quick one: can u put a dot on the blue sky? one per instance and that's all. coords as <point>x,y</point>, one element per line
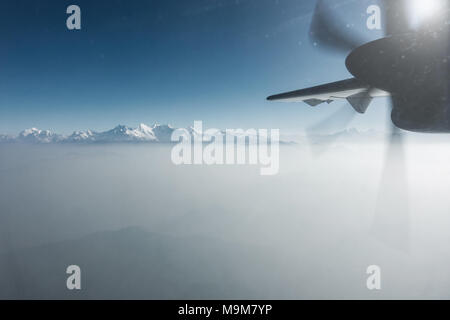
<point>166,61</point>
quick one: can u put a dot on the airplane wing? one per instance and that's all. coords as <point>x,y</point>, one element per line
<point>358,94</point>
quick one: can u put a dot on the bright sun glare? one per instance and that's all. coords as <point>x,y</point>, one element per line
<point>424,10</point>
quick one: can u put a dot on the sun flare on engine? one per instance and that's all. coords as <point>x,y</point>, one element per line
<point>422,11</point>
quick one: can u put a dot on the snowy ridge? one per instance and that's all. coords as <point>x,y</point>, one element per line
<point>121,133</point>
<point>156,133</point>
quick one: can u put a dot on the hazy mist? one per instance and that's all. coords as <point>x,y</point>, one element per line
<point>141,227</point>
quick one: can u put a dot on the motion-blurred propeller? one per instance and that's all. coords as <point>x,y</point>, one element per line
<point>326,30</point>
<point>338,120</point>
<point>395,16</point>
<point>391,221</point>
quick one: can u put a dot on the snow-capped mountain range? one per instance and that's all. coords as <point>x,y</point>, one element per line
<point>156,133</point>
<point>143,133</point>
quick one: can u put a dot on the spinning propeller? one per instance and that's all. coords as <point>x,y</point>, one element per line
<point>391,222</point>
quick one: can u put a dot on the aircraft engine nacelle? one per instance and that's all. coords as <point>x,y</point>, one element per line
<point>415,69</point>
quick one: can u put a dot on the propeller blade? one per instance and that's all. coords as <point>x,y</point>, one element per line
<point>395,16</point>
<point>326,30</point>
<point>391,223</point>
<point>340,119</point>
<point>337,121</point>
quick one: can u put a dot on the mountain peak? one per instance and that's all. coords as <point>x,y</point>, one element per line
<point>120,128</point>
<point>30,131</point>
<point>143,126</point>
<point>36,135</point>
